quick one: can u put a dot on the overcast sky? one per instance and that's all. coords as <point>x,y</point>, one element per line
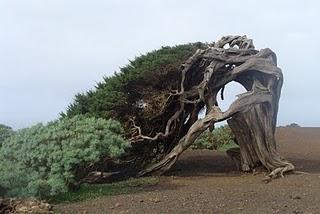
<point>52,49</point>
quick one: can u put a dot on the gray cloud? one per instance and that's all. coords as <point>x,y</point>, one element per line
<point>50,50</point>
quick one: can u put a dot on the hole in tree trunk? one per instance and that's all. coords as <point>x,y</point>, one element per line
<point>231,90</point>
<point>226,46</point>
<point>202,112</point>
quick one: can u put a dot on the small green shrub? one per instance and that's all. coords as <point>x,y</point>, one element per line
<point>219,138</point>
<point>46,160</point>
<point>204,141</point>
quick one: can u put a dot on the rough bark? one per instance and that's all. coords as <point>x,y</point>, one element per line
<point>252,117</point>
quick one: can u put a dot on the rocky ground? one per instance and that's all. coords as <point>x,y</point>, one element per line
<point>207,182</point>
<point>27,206</point>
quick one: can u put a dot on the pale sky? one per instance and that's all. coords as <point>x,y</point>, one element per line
<point>52,49</point>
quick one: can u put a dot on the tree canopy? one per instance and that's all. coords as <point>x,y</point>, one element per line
<point>120,96</point>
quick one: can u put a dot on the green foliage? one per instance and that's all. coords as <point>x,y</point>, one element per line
<point>91,191</point>
<point>5,132</point>
<point>228,146</point>
<point>116,96</point>
<point>219,139</point>
<point>45,160</point>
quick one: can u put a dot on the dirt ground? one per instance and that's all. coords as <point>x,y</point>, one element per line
<point>206,182</point>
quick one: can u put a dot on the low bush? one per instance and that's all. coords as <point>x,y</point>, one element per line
<point>45,160</point>
<point>220,137</point>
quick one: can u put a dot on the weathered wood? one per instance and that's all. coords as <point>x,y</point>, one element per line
<point>252,117</point>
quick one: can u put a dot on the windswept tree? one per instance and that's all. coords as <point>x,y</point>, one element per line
<point>158,98</point>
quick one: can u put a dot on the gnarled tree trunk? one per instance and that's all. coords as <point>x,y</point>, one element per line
<point>252,117</point>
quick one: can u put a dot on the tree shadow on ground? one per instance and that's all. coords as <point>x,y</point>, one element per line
<point>215,163</point>
<point>306,165</point>
<point>204,163</point>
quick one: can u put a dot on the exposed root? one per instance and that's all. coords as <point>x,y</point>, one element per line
<point>300,172</point>
<point>279,172</point>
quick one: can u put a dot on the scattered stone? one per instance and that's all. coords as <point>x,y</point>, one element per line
<point>295,197</point>
<point>11,205</point>
<point>155,200</point>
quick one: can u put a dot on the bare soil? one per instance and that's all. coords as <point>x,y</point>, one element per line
<point>204,181</point>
